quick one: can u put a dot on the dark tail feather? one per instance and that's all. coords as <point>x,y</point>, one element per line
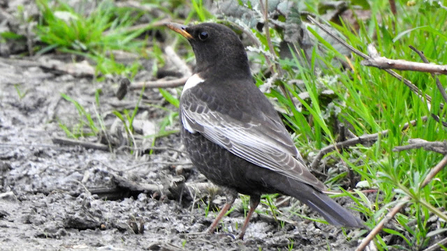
<point>328,208</point>
<point>333,212</point>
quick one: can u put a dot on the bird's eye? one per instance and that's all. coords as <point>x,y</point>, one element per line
<point>203,35</point>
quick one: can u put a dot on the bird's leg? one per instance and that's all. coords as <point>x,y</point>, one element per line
<point>231,197</point>
<point>254,202</point>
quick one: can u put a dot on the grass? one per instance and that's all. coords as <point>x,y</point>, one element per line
<point>127,121</point>
<point>168,120</point>
<point>19,92</point>
<point>370,101</point>
<point>96,34</point>
<point>365,100</point>
<point>86,121</point>
<point>93,35</point>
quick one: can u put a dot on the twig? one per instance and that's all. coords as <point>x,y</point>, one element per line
<point>372,58</point>
<point>249,34</point>
<point>438,83</point>
<point>135,186</point>
<point>7,145</point>
<point>350,142</point>
<point>379,226</point>
<point>393,7</point>
<point>435,170</point>
<point>81,69</point>
<point>439,147</point>
<point>272,65</point>
<point>177,61</point>
<point>341,41</point>
<point>437,245</point>
<point>156,163</point>
<point>73,142</point>
<point>400,205</point>
<point>403,65</point>
<point>267,32</point>
<point>179,64</point>
<point>420,53</point>
<point>177,188</point>
<point>160,84</point>
<point>358,140</point>
<point>374,53</point>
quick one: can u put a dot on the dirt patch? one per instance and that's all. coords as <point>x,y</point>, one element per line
<point>55,196</point>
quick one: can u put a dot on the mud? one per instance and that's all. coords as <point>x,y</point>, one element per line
<point>52,196</point>
<point>58,196</point>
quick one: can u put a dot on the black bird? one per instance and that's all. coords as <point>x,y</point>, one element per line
<point>233,134</point>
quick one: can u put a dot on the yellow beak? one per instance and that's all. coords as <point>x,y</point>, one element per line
<point>179,28</point>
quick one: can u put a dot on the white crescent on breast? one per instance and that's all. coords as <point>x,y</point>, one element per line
<point>192,81</point>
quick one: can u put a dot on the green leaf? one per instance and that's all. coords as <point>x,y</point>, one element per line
<point>171,99</point>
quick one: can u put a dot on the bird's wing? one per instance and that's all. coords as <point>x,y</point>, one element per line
<point>262,141</point>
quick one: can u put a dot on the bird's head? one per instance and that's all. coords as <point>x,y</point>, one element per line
<point>215,46</point>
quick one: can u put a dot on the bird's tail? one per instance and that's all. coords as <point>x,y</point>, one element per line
<point>320,202</point>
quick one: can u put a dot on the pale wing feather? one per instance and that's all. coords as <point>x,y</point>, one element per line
<point>257,142</point>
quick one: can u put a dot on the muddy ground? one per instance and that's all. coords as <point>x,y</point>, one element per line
<point>57,195</point>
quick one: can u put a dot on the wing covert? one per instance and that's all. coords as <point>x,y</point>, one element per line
<point>260,140</point>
